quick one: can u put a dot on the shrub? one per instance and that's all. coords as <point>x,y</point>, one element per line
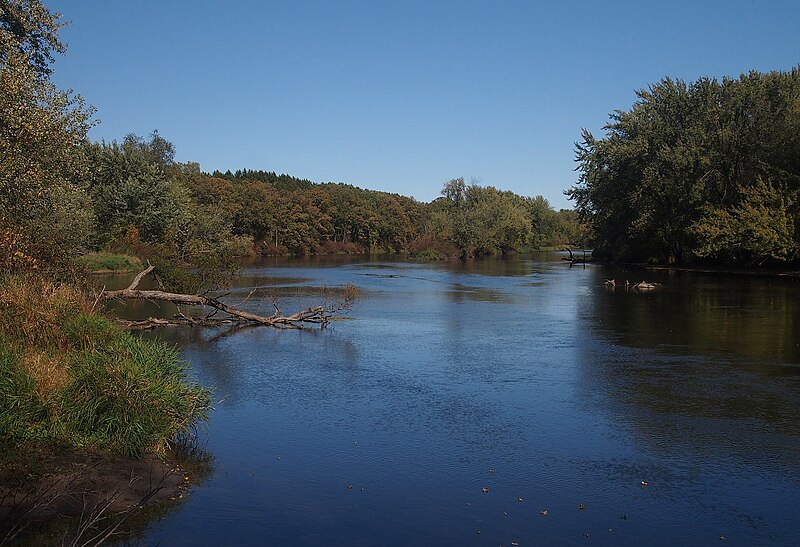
<point>429,248</point>
<point>270,249</point>
<point>70,376</point>
<point>340,248</point>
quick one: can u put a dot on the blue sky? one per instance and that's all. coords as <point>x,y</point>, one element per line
<point>399,96</point>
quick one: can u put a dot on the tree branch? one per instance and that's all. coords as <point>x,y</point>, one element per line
<point>315,315</point>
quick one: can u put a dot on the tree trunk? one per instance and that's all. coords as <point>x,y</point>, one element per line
<point>320,315</point>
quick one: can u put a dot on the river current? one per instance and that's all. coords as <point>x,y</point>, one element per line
<point>498,402</point>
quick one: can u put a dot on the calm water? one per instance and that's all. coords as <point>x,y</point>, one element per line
<point>525,377</point>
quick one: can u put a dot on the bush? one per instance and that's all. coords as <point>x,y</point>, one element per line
<point>429,248</point>
<point>72,377</point>
<point>270,249</point>
<point>101,262</point>
<point>340,248</point>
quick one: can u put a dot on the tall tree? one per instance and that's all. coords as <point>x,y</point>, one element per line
<point>41,130</point>
<point>685,154</point>
<point>30,30</point>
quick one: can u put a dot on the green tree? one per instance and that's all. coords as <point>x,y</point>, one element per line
<point>760,228</point>
<point>41,131</point>
<point>29,31</point>
<point>684,150</point>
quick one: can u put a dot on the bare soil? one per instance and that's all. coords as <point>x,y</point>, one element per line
<point>43,484</point>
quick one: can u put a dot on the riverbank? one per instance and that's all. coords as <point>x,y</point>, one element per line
<point>758,272</point>
<point>102,263</point>
<point>89,413</point>
<point>45,483</point>
<point>49,492</point>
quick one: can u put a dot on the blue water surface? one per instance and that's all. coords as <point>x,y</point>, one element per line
<point>589,415</point>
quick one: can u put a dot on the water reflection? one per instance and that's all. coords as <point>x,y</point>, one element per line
<point>751,317</point>
<point>702,375</point>
<point>571,394</point>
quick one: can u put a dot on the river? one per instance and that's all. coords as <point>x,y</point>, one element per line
<point>499,402</point>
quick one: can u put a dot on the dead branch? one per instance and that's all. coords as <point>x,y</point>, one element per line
<point>140,276</point>
<point>320,315</point>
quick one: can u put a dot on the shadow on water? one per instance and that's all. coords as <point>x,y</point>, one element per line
<point>750,317</point>
<point>702,375</point>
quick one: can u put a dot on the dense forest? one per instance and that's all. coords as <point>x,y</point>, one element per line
<point>702,172</point>
<point>134,197</point>
<point>705,171</point>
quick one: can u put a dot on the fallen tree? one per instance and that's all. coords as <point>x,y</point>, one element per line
<point>316,315</point>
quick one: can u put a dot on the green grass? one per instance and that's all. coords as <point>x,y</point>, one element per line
<point>108,262</point>
<point>71,377</point>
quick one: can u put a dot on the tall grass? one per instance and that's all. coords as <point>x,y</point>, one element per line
<point>70,376</point>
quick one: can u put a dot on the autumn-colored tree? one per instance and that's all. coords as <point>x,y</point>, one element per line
<point>41,132</point>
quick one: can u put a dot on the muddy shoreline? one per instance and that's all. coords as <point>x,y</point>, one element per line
<point>39,488</point>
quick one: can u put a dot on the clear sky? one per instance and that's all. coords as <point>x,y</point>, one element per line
<point>400,95</point>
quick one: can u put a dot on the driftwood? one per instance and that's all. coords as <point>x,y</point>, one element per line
<point>639,287</point>
<point>572,259</point>
<point>320,315</point>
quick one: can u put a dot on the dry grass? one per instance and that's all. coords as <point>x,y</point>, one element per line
<point>32,308</point>
<point>49,372</point>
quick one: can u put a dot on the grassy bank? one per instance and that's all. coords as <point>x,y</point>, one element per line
<point>109,262</point>
<point>72,378</point>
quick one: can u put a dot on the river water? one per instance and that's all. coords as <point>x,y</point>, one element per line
<point>499,402</point>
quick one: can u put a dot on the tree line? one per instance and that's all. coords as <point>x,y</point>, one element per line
<point>133,196</point>
<point>701,171</point>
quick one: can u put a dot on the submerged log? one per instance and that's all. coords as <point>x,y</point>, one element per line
<point>320,315</point>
